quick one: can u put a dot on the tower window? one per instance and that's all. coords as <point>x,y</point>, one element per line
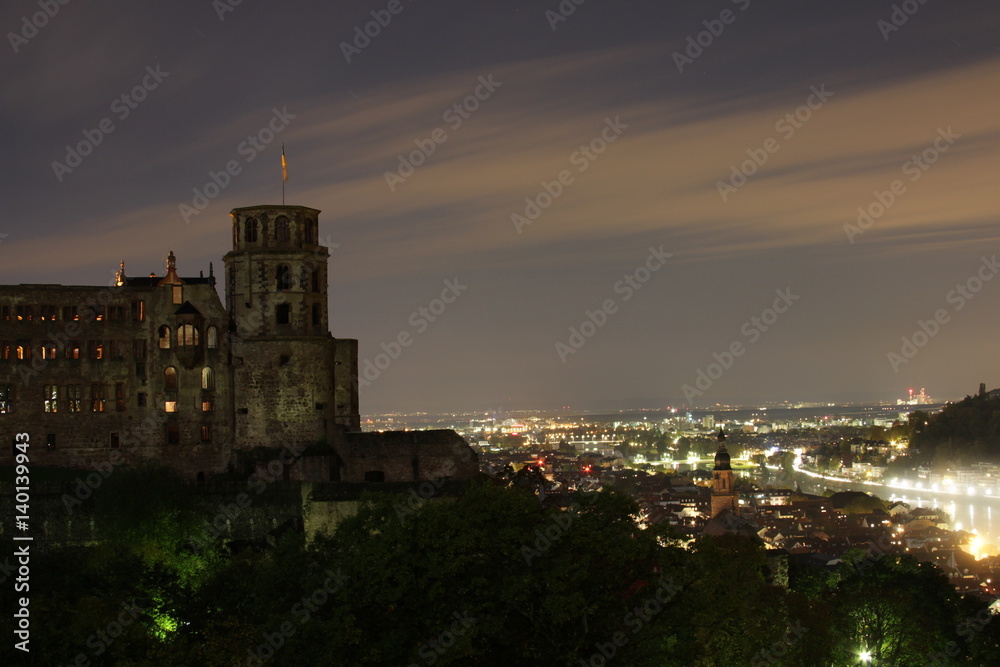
<point>284,275</point>
<point>315,280</point>
<point>74,395</point>
<point>212,336</point>
<point>283,313</point>
<point>6,399</point>
<point>164,335</point>
<point>170,378</point>
<point>187,335</point>
<point>250,230</point>
<point>207,378</point>
<point>316,314</point>
<point>310,231</point>
<point>51,393</point>
<point>281,228</point>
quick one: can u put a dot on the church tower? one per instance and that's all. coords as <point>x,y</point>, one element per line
<point>293,382</point>
<point>723,489</point>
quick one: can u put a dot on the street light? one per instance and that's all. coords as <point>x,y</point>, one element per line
<point>866,657</point>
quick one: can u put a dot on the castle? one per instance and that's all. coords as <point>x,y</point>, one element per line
<point>156,367</point>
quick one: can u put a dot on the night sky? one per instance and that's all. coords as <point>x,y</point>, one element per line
<point>664,122</point>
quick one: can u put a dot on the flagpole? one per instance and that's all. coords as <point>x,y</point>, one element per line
<point>284,174</point>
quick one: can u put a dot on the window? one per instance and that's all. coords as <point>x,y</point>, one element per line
<point>51,394</point>
<point>71,313</point>
<point>139,310</point>
<point>117,349</point>
<point>6,399</point>
<point>95,349</point>
<point>164,335</point>
<point>93,314</point>
<point>177,294</point>
<point>310,231</point>
<point>206,433</point>
<point>98,396</point>
<point>74,396</point>
<point>138,349</point>
<point>49,351</point>
<point>4,312</point>
<point>316,313</point>
<point>284,275</point>
<point>170,404</point>
<point>116,313</point>
<point>5,351</point>
<point>283,313</point>
<point>140,399</point>
<point>48,314</point>
<point>281,228</point>
<point>250,230</point>
<point>207,378</point>
<point>173,434</point>
<point>120,396</point>
<point>23,352</point>
<point>212,336</point>
<point>24,313</point>
<point>315,280</point>
<point>115,441</point>
<point>73,349</point>
<point>208,404</point>
<point>187,335</point>
<point>140,370</point>
<point>170,378</point>
<point>50,440</point>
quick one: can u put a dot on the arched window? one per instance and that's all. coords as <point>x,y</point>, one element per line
<point>212,336</point>
<point>315,280</point>
<point>250,230</point>
<point>284,275</point>
<point>207,378</point>
<point>283,313</point>
<point>310,231</point>
<point>281,228</point>
<point>170,378</point>
<point>187,334</point>
<point>164,335</point>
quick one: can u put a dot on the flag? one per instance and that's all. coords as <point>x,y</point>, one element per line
<point>284,166</point>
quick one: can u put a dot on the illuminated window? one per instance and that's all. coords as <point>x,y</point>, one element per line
<point>281,228</point>
<point>164,335</point>
<point>170,406</point>
<point>6,399</point>
<point>139,310</point>
<point>24,313</point>
<point>212,336</point>
<point>283,313</point>
<point>250,230</point>
<point>48,314</point>
<point>208,405</point>
<point>95,349</point>
<point>51,394</point>
<point>71,313</point>
<point>73,349</point>
<point>98,396</point>
<point>49,351</point>
<point>23,352</point>
<point>187,335</point>
<point>207,378</point>
<point>5,351</point>
<point>4,312</point>
<point>177,294</point>
<point>284,275</point>
<point>170,378</point>
<point>74,397</point>
<point>206,433</point>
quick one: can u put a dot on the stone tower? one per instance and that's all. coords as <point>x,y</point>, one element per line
<point>293,382</point>
<point>723,490</point>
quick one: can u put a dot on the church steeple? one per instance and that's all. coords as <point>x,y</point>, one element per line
<point>723,489</point>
